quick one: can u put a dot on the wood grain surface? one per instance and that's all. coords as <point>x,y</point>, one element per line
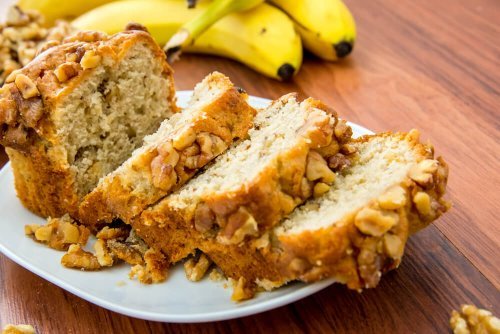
<point>431,65</point>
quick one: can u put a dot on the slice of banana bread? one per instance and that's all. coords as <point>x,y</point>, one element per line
<point>77,111</point>
<point>255,183</point>
<point>217,115</point>
<point>354,232</point>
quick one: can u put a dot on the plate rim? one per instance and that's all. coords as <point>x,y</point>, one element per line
<point>237,312</point>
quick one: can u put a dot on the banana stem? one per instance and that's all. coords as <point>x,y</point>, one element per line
<point>194,28</point>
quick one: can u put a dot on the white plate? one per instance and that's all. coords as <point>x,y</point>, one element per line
<point>176,300</point>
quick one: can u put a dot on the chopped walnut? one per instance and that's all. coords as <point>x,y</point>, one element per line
<point>77,258</point>
<point>154,270</point>
<point>239,225</point>
<point>423,171</point>
<point>241,290</point>
<point>317,168</point>
<point>18,329</point>
<point>66,71</point>
<point>108,233</point>
<point>22,37</point>
<point>375,222</point>
<point>393,198</point>
<point>104,256</point>
<point>472,320</point>
<point>196,267</point>
<point>59,233</point>
<point>90,60</point>
<point>26,86</point>
<point>185,139</point>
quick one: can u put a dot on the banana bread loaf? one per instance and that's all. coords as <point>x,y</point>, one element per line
<point>217,115</point>
<point>77,111</point>
<point>255,183</point>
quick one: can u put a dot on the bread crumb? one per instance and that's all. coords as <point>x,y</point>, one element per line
<point>121,283</point>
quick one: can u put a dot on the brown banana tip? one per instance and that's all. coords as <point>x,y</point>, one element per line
<point>343,48</point>
<point>286,72</point>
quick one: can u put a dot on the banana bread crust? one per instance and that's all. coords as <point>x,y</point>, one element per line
<point>43,179</point>
<point>228,117</point>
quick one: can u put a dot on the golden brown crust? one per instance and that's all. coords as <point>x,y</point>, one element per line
<point>44,181</point>
<point>224,120</point>
<point>350,251</point>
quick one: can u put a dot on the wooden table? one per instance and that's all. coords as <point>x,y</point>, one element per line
<point>431,65</point>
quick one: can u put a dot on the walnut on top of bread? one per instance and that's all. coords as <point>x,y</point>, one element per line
<point>22,37</point>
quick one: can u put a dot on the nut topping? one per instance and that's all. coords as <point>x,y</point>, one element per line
<point>375,222</point>
<point>320,188</point>
<point>239,225</point>
<point>77,258</point>
<point>195,269</point>
<point>422,201</point>
<point>317,168</point>
<point>422,172</point>
<point>184,139</point>
<point>66,71</point>
<point>26,86</point>
<point>204,218</point>
<point>392,199</point>
<point>393,246</point>
<point>90,60</point>
<point>317,129</point>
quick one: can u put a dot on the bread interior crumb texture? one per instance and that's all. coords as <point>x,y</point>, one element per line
<point>274,131</point>
<point>382,163</point>
<point>106,117</point>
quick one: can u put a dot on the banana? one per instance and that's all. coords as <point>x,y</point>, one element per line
<point>263,38</point>
<point>194,28</point>
<point>327,27</point>
<point>55,9</point>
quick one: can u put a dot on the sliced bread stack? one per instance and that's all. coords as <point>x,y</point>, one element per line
<point>291,154</point>
<point>216,115</point>
<point>354,232</point>
<point>77,111</point>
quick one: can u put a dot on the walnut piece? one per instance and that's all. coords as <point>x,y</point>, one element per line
<point>422,172</point>
<point>26,86</point>
<point>422,202</point>
<point>317,168</point>
<point>77,258</point>
<point>210,146</point>
<point>59,233</point>
<point>241,291</point>
<point>104,256</point>
<point>239,225</point>
<point>317,129</point>
<point>472,320</point>
<point>393,246</point>
<point>108,233</point>
<point>66,71</point>
<point>154,270</point>
<point>162,166</point>
<point>204,218</point>
<point>320,189</point>
<point>375,222</point>
<point>185,139</point>
<point>195,268</point>
<point>90,60</point>
<point>392,199</point>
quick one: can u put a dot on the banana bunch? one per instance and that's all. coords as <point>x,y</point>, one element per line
<point>267,37</point>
